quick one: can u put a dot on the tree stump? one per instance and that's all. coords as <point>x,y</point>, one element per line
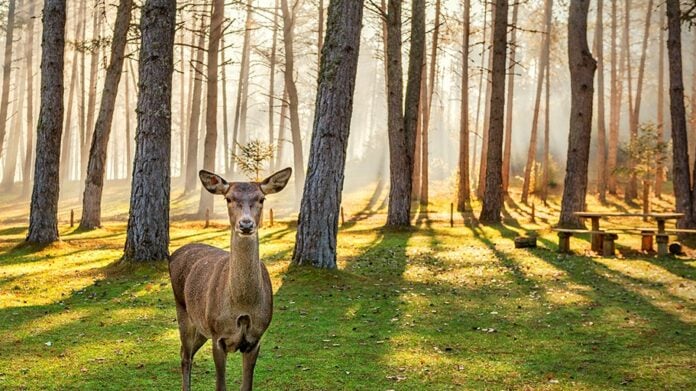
<point>608,246</point>
<point>564,242</point>
<point>525,242</point>
<point>646,243</point>
<point>662,240</point>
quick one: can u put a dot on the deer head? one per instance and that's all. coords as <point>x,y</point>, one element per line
<point>245,199</point>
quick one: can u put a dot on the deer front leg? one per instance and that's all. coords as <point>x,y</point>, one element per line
<point>248,364</point>
<point>220,358</point>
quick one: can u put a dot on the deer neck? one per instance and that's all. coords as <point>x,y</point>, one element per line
<point>245,280</point>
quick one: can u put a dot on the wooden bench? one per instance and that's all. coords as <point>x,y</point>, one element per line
<point>608,239</point>
<point>647,235</point>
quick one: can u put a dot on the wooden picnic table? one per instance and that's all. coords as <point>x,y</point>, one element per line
<point>661,218</point>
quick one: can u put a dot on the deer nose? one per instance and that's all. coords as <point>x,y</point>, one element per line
<point>246,225</point>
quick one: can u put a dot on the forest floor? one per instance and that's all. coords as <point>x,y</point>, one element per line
<point>435,307</point>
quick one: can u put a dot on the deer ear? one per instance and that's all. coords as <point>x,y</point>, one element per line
<point>213,182</point>
<point>276,182</point>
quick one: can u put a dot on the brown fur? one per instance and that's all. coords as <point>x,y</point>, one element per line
<point>226,296</point>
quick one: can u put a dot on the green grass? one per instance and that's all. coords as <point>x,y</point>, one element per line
<point>432,308</point>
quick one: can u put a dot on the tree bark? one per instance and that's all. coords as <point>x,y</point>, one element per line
<point>425,156</point>
<point>464,188</point>
<point>195,118</point>
<point>659,167</point>
<point>477,132</point>
<point>547,132</point>
<point>318,220</point>
<point>94,71</point>
<point>67,154</point>
<point>320,33</point>
<point>493,192</point>
<point>601,129</point>
<point>281,128</point>
<point>531,151</point>
<point>94,182</point>
<point>29,67</point>
<point>43,217</point>
<point>631,191</point>
<point>481,187</point>
<point>507,148</point>
<point>615,105</point>
<point>635,118</point>
<point>148,224</point>
<point>582,69</point>
<point>210,143</point>
<point>402,136</point>
<point>271,82</point>
<point>15,134</point>
<point>293,100</point>
<point>6,72</point>
<point>82,89</point>
<point>240,115</point>
<point>680,155</point>
<point>225,119</point>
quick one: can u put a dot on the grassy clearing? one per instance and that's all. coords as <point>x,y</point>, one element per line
<point>430,308</point>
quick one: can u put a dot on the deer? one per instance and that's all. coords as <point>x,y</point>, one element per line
<point>226,297</point>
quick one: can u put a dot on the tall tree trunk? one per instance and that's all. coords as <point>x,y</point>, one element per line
<point>280,145</point>
<point>94,182</point>
<point>631,186</point>
<point>317,226</point>
<point>692,118</point>
<point>680,155</point>
<point>127,114</point>
<point>6,72</point>
<point>507,148</point>
<point>659,167</point>
<point>195,118</point>
<point>210,144</point>
<point>271,82</point>
<point>182,105</point>
<point>240,118</point>
<point>398,211</point>
<point>320,33</point>
<point>225,122</point>
<point>483,71</point>
<point>531,151</point>
<point>425,156</point>
<point>422,98</point>
<point>293,100</point>
<point>635,118</point>
<point>13,142</point>
<point>481,188</point>
<point>615,105</point>
<point>601,130</point>
<point>148,224</point>
<point>93,71</point>
<point>582,69</point>
<point>67,146</point>
<point>402,136</point>
<point>43,217</point>
<point>547,132</point>
<point>14,137</point>
<point>463,190</point>
<point>29,69</point>
<point>493,193</point>
<point>82,91</point>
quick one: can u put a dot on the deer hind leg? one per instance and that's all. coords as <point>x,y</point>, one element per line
<point>248,364</point>
<point>220,358</point>
<point>191,341</point>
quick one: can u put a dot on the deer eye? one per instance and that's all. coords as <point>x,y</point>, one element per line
<point>228,199</point>
<point>262,200</point>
